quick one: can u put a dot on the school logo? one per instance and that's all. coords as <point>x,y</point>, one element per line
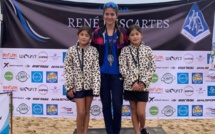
<point>197,110</point>
<point>22,76</point>
<point>8,76</point>
<point>183,110</point>
<point>52,109</point>
<point>211,90</point>
<point>126,110</point>
<point>182,78</point>
<point>23,108</point>
<point>168,111</point>
<point>37,109</point>
<point>197,78</point>
<point>95,110</point>
<point>51,77</point>
<point>195,27</point>
<point>154,78</point>
<point>37,77</point>
<point>167,78</point>
<point>153,110</point>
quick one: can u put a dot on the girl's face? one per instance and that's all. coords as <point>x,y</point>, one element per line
<point>110,16</point>
<point>84,38</point>
<point>135,37</point>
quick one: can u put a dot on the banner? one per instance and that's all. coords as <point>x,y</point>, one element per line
<point>179,25</point>
<point>4,113</point>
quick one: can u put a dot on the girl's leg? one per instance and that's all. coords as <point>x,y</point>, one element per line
<point>88,101</point>
<point>141,108</point>
<point>80,106</point>
<point>134,116</point>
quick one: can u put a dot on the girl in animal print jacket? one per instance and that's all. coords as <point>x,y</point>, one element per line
<point>82,73</point>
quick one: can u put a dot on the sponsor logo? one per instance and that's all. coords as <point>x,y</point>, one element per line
<point>37,77</point>
<point>55,56</point>
<point>28,98</point>
<point>155,90</point>
<point>30,89</point>
<point>185,67</point>
<point>185,100</point>
<point>64,90</point>
<point>151,99</point>
<point>188,90</point>
<point>54,66</point>
<point>162,67</point>
<point>200,90</point>
<point>18,98</point>
<point>183,78</point>
<point>202,68</point>
<point>40,66</point>
<point>9,56</point>
<point>167,78</point>
<point>211,90</point>
<point>95,110</point>
<point>173,90</point>
<point>172,58</point>
<point>158,58</point>
<point>66,110</point>
<point>7,64</point>
<point>26,56</point>
<point>188,58</point>
<point>210,110</point>
<point>183,110</point>
<point>197,110</point>
<point>43,89</point>
<point>51,109</point>
<point>37,109</point>
<point>22,76</point>
<point>8,76</point>
<point>64,55</point>
<point>168,111</point>
<point>40,99</point>
<point>197,78</point>
<point>174,100</point>
<point>55,89</point>
<point>59,99</point>
<point>126,110</point>
<point>51,77</point>
<point>10,88</point>
<point>205,100</point>
<point>200,58</point>
<point>161,99</point>
<point>195,27</point>
<point>43,56</point>
<point>23,108</point>
<point>153,110</point>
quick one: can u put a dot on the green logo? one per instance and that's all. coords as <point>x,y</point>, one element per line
<point>8,76</point>
<point>153,110</point>
<point>154,78</point>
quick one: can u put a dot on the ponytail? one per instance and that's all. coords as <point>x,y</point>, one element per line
<point>119,33</point>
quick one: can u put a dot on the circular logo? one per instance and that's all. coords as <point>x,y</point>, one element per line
<point>183,110</point>
<point>154,78</point>
<point>23,108</point>
<point>95,110</point>
<point>168,111</point>
<point>183,78</point>
<point>167,78</point>
<point>43,56</point>
<point>8,76</point>
<point>43,89</point>
<point>37,76</point>
<point>37,109</point>
<point>188,90</point>
<point>22,76</point>
<point>153,110</point>
<point>188,58</point>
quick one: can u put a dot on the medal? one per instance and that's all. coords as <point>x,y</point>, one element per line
<point>136,72</point>
<point>110,59</point>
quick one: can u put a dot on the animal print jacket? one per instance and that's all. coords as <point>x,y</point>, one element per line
<point>127,65</point>
<point>90,78</point>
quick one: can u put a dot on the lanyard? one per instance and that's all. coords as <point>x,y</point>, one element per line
<point>81,62</point>
<point>110,44</point>
<point>137,63</point>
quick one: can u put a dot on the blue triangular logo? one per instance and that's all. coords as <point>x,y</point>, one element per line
<point>195,27</point>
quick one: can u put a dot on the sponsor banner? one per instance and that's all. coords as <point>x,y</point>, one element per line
<point>4,113</point>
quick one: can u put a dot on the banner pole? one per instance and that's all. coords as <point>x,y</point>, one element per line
<point>11,113</point>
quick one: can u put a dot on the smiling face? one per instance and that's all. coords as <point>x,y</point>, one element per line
<point>84,38</point>
<point>135,37</point>
<point>110,16</point>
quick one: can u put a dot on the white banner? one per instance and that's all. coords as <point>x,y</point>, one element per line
<point>4,113</point>
<point>181,87</point>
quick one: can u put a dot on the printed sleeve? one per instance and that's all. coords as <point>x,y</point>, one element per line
<point>69,71</point>
<point>96,79</point>
<point>123,66</point>
<point>147,78</point>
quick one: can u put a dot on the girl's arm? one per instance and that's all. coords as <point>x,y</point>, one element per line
<point>96,77</point>
<point>123,68</point>
<point>68,71</point>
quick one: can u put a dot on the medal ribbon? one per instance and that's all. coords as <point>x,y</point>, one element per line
<point>81,62</point>
<point>110,44</point>
<point>137,63</point>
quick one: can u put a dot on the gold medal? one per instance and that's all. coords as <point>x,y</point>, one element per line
<point>110,59</point>
<point>136,72</point>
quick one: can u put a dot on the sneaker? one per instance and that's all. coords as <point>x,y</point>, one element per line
<point>144,131</point>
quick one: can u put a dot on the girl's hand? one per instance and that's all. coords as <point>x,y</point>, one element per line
<point>71,93</point>
<point>142,86</point>
<point>136,87</point>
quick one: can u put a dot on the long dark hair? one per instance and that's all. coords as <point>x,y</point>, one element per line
<point>132,27</point>
<point>85,28</point>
